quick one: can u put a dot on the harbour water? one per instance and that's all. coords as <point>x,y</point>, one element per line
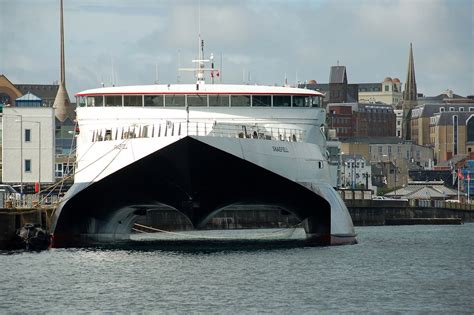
<point>401,269</point>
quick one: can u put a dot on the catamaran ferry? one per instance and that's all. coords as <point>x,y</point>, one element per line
<point>199,148</point>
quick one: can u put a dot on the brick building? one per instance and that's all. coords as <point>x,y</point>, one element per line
<point>361,120</point>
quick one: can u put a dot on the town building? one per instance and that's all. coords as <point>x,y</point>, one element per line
<point>355,172</point>
<point>28,145</point>
<point>361,120</point>
<point>388,92</point>
<point>338,90</point>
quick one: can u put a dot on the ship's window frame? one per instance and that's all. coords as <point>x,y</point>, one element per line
<point>95,101</point>
<point>170,100</point>
<point>279,101</point>
<point>219,100</point>
<point>115,100</point>
<point>201,100</point>
<point>133,100</point>
<point>261,100</point>
<point>305,101</point>
<point>236,97</point>
<point>154,100</point>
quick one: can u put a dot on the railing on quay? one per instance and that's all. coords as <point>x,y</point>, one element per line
<point>14,201</point>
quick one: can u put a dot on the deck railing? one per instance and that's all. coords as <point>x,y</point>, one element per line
<point>173,129</point>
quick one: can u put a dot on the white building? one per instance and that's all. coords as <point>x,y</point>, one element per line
<point>28,145</point>
<point>356,172</point>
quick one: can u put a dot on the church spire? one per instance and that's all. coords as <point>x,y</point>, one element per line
<point>62,106</point>
<point>409,98</point>
<point>410,93</point>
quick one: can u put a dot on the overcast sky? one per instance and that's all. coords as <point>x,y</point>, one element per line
<point>260,41</point>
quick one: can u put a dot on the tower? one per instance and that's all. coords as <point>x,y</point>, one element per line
<point>62,107</point>
<point>409,96</point>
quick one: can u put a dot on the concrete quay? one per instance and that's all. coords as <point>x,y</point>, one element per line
<point>393,212</point>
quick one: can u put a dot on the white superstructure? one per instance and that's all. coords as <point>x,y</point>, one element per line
<point>120,125</point>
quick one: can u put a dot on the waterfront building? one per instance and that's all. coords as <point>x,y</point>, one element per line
<point>28,145</point>
<point>424,190</point>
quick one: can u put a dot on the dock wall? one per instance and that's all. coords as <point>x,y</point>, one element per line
<point>13,219</point>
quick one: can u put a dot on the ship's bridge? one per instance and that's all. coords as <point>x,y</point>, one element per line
<point>200,95</point>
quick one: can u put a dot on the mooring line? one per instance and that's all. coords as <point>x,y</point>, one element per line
<point>268,235</point>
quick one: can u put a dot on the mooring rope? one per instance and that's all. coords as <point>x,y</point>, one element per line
<point>267,235</point>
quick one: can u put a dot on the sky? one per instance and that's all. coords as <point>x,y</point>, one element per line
<point>254,42</point>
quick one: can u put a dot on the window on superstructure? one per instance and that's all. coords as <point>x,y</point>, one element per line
<point>174,100</point>
<point>301,101</point>
<point>94,101</point>
<point>219,100</point>
<point>240,100</point>
<point>281,101</point>
<point>113,100</point>
<point>154,100</point>
<point>197,100</point>
<point>81,100</point>
<point>262,100</point>
<point>132,100</point>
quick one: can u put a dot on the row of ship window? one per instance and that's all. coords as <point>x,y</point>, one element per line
<point>203,100</point>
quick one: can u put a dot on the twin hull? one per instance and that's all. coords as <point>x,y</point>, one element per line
<point>198,176</point>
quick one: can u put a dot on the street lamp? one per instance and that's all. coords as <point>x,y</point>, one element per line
<point>39,151</point>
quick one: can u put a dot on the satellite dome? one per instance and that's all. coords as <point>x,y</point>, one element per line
<point>312,82</point>
<point>387,79</point>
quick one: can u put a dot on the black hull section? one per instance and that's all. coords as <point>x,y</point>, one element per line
<point>194,178</point>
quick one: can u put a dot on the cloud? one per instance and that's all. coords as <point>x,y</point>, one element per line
<point>269,39</point>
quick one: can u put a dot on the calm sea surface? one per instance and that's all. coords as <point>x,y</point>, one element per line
<point>396,269</point>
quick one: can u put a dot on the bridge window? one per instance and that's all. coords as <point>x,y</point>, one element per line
<point>219,100</point>
<point>261,100</point>
<point>197,100</point>
<point>113,100</point>
<point>281,101</point>
<point>302,101</point>
<point>154,100</point>
<point>95,101</point>
<point>132,100</point>
<point>240,100</point>
<point>174,100</point>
